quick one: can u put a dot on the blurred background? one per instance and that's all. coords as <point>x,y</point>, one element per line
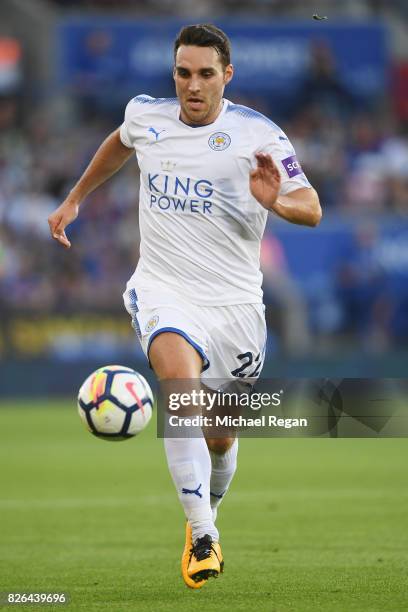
<point>337,296</point>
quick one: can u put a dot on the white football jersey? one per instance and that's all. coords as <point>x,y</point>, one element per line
<point>200,226</point>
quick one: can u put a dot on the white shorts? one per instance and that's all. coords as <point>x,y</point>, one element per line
<point>231,340</point>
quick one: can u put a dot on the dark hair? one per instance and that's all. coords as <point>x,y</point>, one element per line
<point>205,35</point>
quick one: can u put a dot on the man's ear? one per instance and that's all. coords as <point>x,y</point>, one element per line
<point>228,74</point>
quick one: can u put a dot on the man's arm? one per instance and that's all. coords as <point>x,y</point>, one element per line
<point>301,206</point>
<point>108,159</point>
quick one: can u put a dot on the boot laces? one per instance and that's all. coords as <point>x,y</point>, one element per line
<point>203,548</point>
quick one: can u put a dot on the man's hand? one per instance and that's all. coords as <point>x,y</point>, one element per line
<point>60,218</point>
<point>265,180</point>
<point>300,206</point>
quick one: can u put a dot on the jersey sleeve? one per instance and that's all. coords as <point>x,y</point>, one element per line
<point>124,128</point>
<point>129,125</point>
<point>283,154</point>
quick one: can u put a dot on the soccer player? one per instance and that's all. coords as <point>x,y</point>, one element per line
<point>210,172</point>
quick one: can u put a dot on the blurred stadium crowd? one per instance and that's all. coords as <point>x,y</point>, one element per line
<point>356,155</point>
<point>287,8</point>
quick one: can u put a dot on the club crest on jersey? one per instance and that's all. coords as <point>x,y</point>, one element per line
<point>151,324</point>
<point>219,141</point>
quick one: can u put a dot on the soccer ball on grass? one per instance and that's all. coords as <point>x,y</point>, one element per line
<point>115,403</point>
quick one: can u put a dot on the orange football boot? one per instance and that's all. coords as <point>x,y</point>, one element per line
<point>185,561</point>
<point>206,560</point>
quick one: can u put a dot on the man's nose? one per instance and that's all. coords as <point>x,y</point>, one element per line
<point>194,84</point>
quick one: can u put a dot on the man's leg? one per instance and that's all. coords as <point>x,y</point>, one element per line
<point>223,453</point>
<point>173,358</point>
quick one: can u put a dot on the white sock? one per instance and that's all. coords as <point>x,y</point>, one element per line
<point>190,467</point>
<point>222,472</point>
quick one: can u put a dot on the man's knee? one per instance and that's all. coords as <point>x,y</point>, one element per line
<point>172,357</point>
<point>219,445</point>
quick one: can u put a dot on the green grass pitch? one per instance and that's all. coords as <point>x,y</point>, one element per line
<point>308,525</point>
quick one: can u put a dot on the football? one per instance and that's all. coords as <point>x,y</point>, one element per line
<point>115,403</point>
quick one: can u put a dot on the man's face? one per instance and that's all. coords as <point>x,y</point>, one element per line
<point>200,79</point>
